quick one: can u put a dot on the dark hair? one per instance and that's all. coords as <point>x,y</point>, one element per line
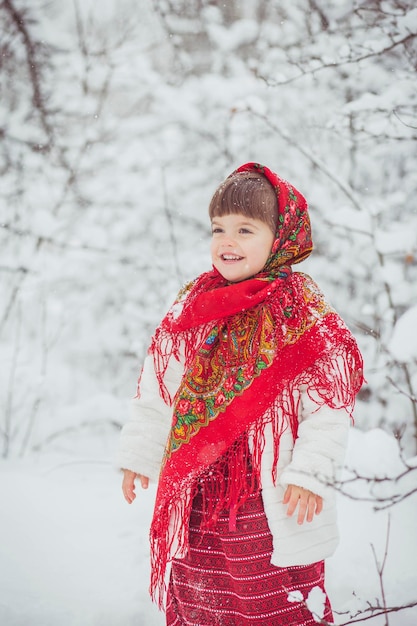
<point>248,193</point>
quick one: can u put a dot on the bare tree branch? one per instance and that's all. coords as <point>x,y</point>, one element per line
<point>19,20</point>
<point>315,160</point>
<point>373,611</point>
<point>170,221</point>
<point>402,121</point>
<point>380,569</point>
<point>411,397</point>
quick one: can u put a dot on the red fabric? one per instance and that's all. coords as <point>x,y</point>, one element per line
<point>293,241</point>
<point>227,577</point>
<point>248,345</point>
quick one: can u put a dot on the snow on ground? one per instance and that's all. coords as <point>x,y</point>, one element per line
<point>73,553</point>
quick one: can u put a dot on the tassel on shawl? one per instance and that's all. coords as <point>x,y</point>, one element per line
<point>248,348</point>
<point>334,379</point>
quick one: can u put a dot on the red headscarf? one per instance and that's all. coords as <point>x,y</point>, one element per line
<point>247,346</point>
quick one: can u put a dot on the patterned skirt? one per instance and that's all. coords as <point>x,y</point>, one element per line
<point>227,578</point>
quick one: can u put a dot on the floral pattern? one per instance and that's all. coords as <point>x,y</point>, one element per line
<point>225,366</point>
<point>233,356</point>
<point>293,241</point>
<point>237,342</point>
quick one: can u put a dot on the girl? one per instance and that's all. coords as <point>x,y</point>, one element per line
<point>242,418</point>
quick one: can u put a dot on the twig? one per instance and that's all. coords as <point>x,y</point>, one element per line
<point>12,300</point>
<point>7,437</point>
<point>171,228</point>
<point>376,611</point>
<point>316,161</point>
<point>402,122</point>
<point>411,397</point>
<point>38,98</point>
<point>380,569</point>
<point>334,65</point>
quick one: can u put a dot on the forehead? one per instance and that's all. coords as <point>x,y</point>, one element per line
<point>235,220</point>
<point>235,217</point>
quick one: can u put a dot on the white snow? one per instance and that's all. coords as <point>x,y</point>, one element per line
<point>148,124</point>
<point>403,343</point>
<point>295,596</point>
<point>316,600</point>
<point>73,553</point>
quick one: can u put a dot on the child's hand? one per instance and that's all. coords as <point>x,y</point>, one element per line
<point>128,485</point>
<point>308,503</point>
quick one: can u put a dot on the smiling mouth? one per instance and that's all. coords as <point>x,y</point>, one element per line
<point>231,257</point>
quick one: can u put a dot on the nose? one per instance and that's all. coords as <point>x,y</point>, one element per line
<point>228,241</point>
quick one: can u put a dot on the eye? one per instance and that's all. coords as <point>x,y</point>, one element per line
<point>245,231</point>
<point>216,230</point>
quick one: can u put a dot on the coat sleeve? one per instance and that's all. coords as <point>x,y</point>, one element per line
<point>143,437</point>
<point>319,450</point>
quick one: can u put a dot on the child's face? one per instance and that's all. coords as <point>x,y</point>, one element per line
<point>240,246</point>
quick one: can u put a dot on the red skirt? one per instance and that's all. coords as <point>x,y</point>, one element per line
<point>227,579</point>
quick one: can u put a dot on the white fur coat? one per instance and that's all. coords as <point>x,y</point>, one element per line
<point>313,461</point>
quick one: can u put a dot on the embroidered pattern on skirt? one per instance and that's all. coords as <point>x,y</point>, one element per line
<point>227,578</point>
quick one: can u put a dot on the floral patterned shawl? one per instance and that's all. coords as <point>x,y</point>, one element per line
<point>248,346</point>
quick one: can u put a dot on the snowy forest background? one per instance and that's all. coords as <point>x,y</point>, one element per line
<point>118,119</point>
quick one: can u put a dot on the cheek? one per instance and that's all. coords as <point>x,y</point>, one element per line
<point>264,255</point>
<point>263,260</point>
<point>269,245</point>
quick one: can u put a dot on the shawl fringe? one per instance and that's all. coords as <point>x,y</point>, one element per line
<point>333,379</point>
<point>248,348</point>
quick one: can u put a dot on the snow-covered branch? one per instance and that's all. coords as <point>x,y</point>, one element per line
<point>333,65</point>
